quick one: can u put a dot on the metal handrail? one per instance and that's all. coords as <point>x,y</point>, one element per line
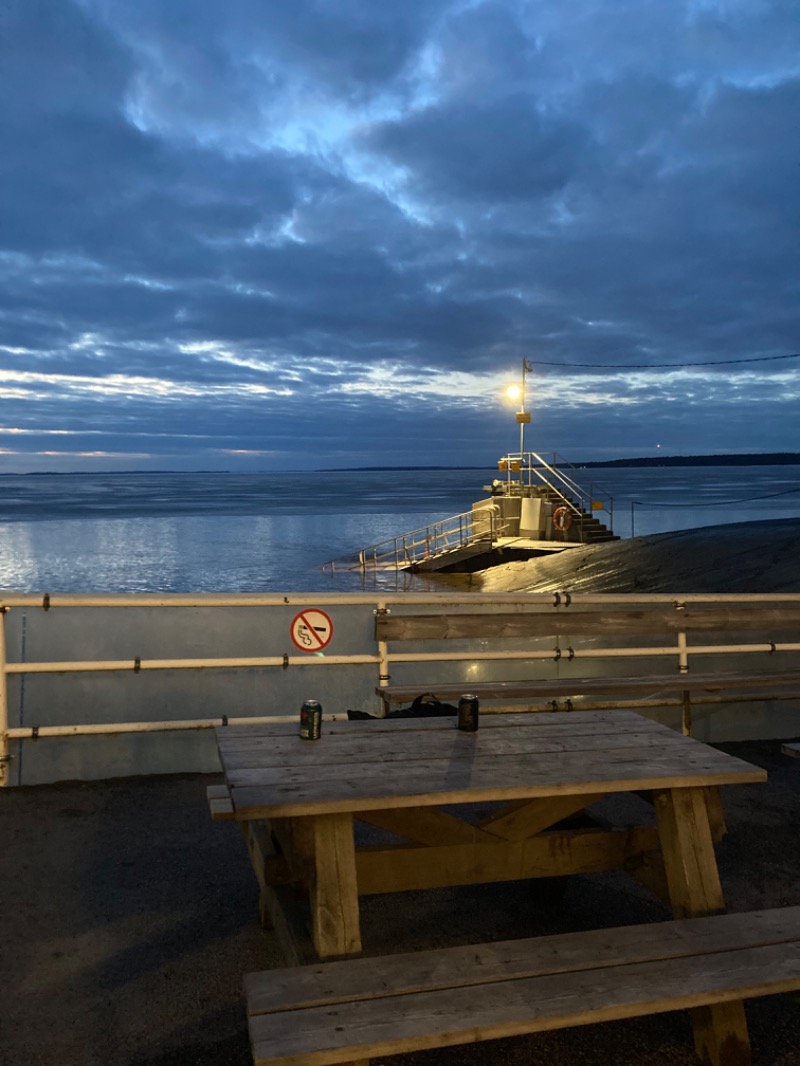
<point>562,484</point>
<point>480,526</point>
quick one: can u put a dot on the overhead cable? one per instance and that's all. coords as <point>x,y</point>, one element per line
<point>663,366</point>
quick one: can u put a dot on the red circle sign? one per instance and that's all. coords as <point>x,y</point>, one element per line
<point>311,630</point>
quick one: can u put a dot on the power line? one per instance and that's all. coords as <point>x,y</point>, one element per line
<point>664,366</point>
<point>717,503</point>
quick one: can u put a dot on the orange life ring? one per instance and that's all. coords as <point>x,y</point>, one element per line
<point>562,519</point>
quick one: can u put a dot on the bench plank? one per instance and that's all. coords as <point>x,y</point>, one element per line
<point>507,625</point>
<point>319,1016</point>
<point>464,966</point>
<point>581,686</point>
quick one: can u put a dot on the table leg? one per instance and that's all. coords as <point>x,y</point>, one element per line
<point>720,1032</point>
<point>334,888</point>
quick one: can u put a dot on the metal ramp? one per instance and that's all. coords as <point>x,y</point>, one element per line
<point>488,530</point>
<point>432,547</point>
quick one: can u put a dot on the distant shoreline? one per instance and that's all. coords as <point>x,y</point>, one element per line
<point>757,459</point>
<point>765,459</point>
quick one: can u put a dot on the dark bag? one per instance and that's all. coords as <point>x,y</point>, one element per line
<point>423,706</point>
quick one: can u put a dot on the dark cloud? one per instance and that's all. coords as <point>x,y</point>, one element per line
<point>506,151</point>
<point>239,227</point>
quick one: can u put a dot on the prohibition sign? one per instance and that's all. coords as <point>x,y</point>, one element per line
<point>311,630</point>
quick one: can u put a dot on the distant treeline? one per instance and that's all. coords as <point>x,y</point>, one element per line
<point>763,459</point>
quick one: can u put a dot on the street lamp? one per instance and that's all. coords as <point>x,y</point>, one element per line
<point>517,392</point>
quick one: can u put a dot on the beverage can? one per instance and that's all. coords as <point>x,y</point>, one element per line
<point>311,720</point>
<point>468,713</point>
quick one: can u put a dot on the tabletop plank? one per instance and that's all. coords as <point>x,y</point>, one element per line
<point>360,750</point>
<point>401,734</point>
<point>355,768</point>
<point>307,791</point>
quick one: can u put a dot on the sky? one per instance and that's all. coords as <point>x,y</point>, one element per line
<point>271,235</point>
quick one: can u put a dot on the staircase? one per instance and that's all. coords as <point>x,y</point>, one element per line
<point>586,529</point>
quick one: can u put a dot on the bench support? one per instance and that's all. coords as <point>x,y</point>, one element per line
<point>720,1030</point>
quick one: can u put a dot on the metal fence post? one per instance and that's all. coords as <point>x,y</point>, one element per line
<point>4,747</point>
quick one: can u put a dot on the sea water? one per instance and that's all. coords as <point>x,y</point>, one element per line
<point>222,532</point>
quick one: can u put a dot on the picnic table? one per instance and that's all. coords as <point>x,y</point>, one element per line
<point>537,770</point>
<point>399,775</point>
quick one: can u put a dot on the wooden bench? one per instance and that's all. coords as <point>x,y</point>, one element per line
<point>346,1012</point>
<point>640,626</point>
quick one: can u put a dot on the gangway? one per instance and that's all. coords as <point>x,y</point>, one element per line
<point>448,542</point>
<point>538,508</point>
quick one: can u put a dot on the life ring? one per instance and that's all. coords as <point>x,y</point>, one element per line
<point>562,519</point>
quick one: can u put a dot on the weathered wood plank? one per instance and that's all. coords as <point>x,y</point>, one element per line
<point>720,1032</point>
<point>716,813</point>
<point>322,1036</point>
<point>334,893</point>
<point>527,818</point>
<point>350,751</point>
<point>220,803</point>
<point>476,964</point>
<point>643,621</point>
<point>427,825</point>
<point>553,854</point>
<point>648,870</point>
<point>234,741</point>
<point>285,912</point>
<point>688,849</point>
<point>301,791</point>
<point>792,749</point>
<point>586,686</point>
<point>269,866</point>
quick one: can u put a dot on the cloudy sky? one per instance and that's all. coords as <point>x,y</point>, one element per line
<point>276,234</point>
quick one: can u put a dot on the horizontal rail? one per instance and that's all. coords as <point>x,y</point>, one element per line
<point>111,728</point>
<point>563,599</point>
<point>137,665</point>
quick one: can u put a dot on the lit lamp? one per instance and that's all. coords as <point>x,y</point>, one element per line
<point>517,392</point>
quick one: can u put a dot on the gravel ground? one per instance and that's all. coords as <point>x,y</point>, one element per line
<point>129,920</point>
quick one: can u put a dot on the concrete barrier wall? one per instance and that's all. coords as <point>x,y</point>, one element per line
<point>68,698</point>
<point>71,634</point>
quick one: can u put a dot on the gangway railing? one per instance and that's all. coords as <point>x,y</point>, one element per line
<point>560,477</point>
<point>479,527</point>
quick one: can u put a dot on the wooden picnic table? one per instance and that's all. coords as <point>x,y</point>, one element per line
<point>399,775</point>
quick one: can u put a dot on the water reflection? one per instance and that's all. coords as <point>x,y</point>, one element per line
<point>220,533</point>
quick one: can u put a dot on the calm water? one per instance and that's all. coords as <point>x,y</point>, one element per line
<point>272,532</point>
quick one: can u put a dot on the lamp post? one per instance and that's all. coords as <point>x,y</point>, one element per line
<point>523,416</point>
